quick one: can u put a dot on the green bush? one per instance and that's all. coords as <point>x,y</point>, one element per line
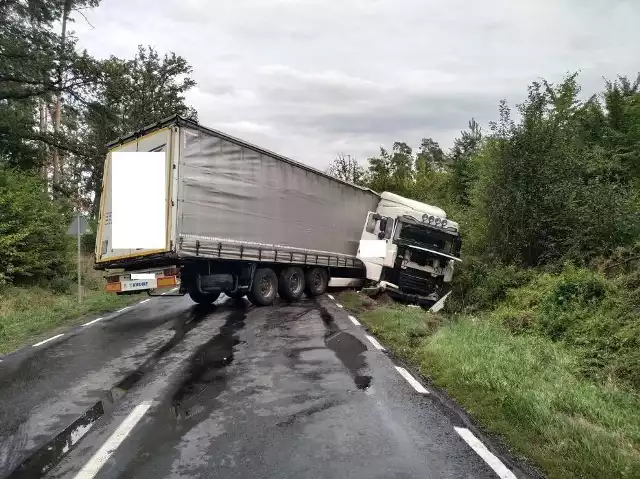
<point>596,316</point>
<point>478,285</point>
<point>33,242</point>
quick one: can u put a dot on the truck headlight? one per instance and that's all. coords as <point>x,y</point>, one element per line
<point>425,217</point>
<point>444,223</point>
<point>438,221</point>
<point>431,219</point>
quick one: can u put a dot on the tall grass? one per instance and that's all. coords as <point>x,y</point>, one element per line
<point>29,314</point>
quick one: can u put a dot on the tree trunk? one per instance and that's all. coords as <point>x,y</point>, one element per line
<point>42,128</point>
<point>57,117</point>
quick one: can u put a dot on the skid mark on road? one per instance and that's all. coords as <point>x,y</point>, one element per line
<point>50,454</point>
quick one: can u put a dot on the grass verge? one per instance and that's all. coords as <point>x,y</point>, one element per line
<point>28,315</point>
<point>526,388</point>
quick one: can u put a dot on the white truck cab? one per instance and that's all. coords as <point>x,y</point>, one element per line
<point>409,249</point>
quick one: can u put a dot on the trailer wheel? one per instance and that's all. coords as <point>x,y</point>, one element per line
<point>264,288</point>
<point>203,298</point>
<point>317,281</point>
<point>291,283</point>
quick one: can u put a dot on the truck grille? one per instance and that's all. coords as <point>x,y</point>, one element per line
<point>415,284</point>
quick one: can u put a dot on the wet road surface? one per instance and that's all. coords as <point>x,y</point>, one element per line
<point>292,390</point>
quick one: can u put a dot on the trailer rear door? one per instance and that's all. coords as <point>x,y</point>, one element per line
<point>161,140</point>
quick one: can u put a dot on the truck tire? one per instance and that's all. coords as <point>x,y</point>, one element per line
<point>317,280</point>
<point>264,288</point>
<point>291,283</point>
<point>203,298</point>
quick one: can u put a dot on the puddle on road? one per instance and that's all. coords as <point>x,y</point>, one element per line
<point>49,455</point>
<point>347,348</point>
<point>206,378</point>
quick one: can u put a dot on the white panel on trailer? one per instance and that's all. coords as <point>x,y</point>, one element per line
<point>138,200</point>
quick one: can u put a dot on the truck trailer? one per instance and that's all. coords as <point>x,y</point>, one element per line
<point>241,220</point>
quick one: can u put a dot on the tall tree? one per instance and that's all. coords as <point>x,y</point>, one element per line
<point>430,157</point>
<point>32,56</point>
<point>461,156</point>
<point>133,94</point>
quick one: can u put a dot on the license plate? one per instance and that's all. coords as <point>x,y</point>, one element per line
<point>139,284</point>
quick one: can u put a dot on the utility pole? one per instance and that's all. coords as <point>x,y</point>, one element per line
<point>79,262</point>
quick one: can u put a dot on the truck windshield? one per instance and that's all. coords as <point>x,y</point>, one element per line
<point>430,238</point>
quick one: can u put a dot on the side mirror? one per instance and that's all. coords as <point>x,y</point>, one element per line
<point>383,224</point>
<point>381,235</point>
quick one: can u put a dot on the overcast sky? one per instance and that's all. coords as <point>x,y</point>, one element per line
<point>313,78</point>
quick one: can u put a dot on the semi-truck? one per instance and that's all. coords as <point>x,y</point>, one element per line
<point>242,220</point>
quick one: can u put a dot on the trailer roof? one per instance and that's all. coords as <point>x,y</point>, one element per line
<point>181,121</point>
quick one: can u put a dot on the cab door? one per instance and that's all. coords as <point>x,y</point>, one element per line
<point>376,248</point>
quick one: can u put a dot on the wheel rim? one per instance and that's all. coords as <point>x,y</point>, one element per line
<point>295,283</point>
<point>266,287</point>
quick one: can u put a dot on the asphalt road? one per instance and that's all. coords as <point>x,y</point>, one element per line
<point>169,389</point>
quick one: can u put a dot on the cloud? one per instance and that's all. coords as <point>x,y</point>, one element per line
<point>311,78</point>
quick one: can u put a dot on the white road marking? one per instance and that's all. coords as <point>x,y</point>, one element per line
<point>330,297</point>
<point>47,340</point>
<point>91,322</point>
<point>375,342</point>
<point>339,305</point>
<point>411,380</point>
<point>170,291</point>
<point>496,464</point>
<point>354,321</point>
<point>144,301</point>
<point>123,309</point>
<point>102,455</point>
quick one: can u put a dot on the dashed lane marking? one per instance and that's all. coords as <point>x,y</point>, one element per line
<point>144,301</point>
<point>494,463</point>
<point>102,455</point>
<point>411,380</point>
<point>330,297</point>
<point>47,340</point>
<point>123,309</point>
<point>339,305</point>
<point>354,321</point>
<point>91,322</point>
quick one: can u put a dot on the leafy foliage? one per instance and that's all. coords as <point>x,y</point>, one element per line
<point>33,242</point>
<point>581,308</point>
